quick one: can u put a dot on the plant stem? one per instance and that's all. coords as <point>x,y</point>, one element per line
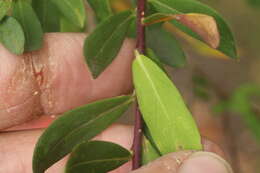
<point>140,45</point>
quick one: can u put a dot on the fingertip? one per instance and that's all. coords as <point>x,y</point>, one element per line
<point>204,162</point>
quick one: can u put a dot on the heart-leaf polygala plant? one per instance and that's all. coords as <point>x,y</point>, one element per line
<point>168,125</point>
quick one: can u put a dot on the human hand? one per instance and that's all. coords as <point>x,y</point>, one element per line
<point>37,86</point>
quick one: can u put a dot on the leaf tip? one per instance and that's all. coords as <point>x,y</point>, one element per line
<point>204,25</point>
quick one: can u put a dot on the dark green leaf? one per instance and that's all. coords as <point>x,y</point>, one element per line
<point>25,15</point>
<point>165,46</point>
<point>131,33</point>
<point>227,43</point>
<point>150,53</point>
<point>149,153</point>
<point>48,15</point>
<point>11,35</point>
<point>75,126</point>
<point>73,10</point>
<point>101,8</point>
<point>165,114</point>
<point>102,46</point>
<point>97,157</point>
<point>5,5</point>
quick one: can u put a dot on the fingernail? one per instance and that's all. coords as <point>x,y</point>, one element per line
<point>205,162</point>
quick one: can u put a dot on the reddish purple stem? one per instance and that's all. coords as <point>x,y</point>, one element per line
<point>140,45</point>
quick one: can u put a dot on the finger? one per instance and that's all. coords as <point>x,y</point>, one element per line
<point>187,162</point>
<point>56,79</point>
<point>17,149</point>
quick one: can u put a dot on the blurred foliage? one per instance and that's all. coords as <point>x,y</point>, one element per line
<point>254,3</point>
<point>201,87</point>
<point>243,101</point>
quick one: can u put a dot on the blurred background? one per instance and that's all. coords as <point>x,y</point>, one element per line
<point>223,94</point>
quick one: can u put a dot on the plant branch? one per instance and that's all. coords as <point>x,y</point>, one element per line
<point>140,45</point>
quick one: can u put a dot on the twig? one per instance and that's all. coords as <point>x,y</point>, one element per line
<point>137,143</point>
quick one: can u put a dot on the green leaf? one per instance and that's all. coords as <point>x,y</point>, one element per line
<point>97,157</point>
<point>203,25</point>
<point>73,10</point>
<point>66,26</point>
<point>11,35</point>
<point>48,15</point>
<point>131,33</point>
<point>165,114</point>
<point>165,46</point>
<point>150,53</point>
<point>24,14</point>
<point>101,8</point>
<point>103,44</point>
<point>149,153</point>
<point>75,126</point>
<point>5,6</point>
<point>227,43</point>
<point>157,17</point>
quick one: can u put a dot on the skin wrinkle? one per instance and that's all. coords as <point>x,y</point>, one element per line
<point>49,74</point>
<point>18,81</point>
<point>60,75</point>
<point>28,67</point>
<point>41,63</point>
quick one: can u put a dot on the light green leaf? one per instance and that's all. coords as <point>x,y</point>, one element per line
<point>5,6</point>
<point>73,127</point>
<point>227,43</point>
<point>149,153</point>
<point>24,14</point>
<point>67,26</point>
<point>101,8</point>
<point>48,15</point>
<point>73,10</point>
<point>165,46</point>
<point>11,35</point>
<point>97,157</point>
<point>103,44</point>
<point>165,114</point>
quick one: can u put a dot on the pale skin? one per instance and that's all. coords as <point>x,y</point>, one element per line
<point>36,86</point>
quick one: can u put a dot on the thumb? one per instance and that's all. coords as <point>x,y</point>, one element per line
<point>187,162</point>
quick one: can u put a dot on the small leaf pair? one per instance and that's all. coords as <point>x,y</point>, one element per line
<point>74,127</point>
<point>23,31</point>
